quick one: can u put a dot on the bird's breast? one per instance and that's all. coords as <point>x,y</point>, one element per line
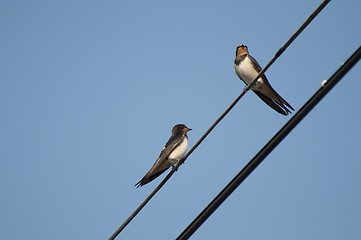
<point>180,150</point>
<point>246,72</point>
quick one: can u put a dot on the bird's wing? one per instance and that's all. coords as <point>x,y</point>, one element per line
<point>255,63</point>
<point>173,141</point>
<point>258,68</point>
<point>161,164</point>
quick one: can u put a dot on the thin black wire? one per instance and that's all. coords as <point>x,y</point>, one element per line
<point>279,52</point>
<point>272,144</point>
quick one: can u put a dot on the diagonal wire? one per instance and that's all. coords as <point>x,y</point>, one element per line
<point>279,52</point>
<point>272,144</point>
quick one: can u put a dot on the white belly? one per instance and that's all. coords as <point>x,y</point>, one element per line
<point>247,73</point>
<point>177,154</point>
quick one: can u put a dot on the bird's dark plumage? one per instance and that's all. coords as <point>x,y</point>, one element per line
<point>247,68</point>
<point>171,153</point>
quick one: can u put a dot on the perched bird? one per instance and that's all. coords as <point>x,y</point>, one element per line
<point>247,68</point>
<point>172,152</point>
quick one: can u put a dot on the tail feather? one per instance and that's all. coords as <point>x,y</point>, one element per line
<point>280,108</point>
<point>285,102</point>
<point>146,179</point>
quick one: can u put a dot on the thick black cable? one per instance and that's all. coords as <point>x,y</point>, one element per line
<point>279,52</point>
<point>272,144</point>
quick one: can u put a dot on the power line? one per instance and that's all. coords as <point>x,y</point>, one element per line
<point>279,52</point>
<point>272,144</point>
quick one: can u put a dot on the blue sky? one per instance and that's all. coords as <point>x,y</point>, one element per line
<point>90,90</point>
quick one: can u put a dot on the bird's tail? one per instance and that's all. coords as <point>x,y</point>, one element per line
<point>276,105</point>
<point>283,102</point>
<point>148,178</point>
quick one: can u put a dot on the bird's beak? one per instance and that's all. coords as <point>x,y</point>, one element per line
<point>189,129</point>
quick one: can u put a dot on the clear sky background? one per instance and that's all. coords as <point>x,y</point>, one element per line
<point>90,90</point>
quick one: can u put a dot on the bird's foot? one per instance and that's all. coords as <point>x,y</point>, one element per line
<point>175,167</point>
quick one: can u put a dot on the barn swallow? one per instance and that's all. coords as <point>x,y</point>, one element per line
<point>172,152</point>
<point>247,68</point>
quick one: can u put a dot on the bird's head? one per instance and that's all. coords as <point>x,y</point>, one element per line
<point>180,128</point>
<point>241,50</point>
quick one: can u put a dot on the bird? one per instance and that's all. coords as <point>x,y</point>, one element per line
<point>247,68</point>
<point>172,152</point>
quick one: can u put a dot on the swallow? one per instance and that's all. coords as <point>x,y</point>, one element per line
<point>247,68</point>
<point>172,152</point>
